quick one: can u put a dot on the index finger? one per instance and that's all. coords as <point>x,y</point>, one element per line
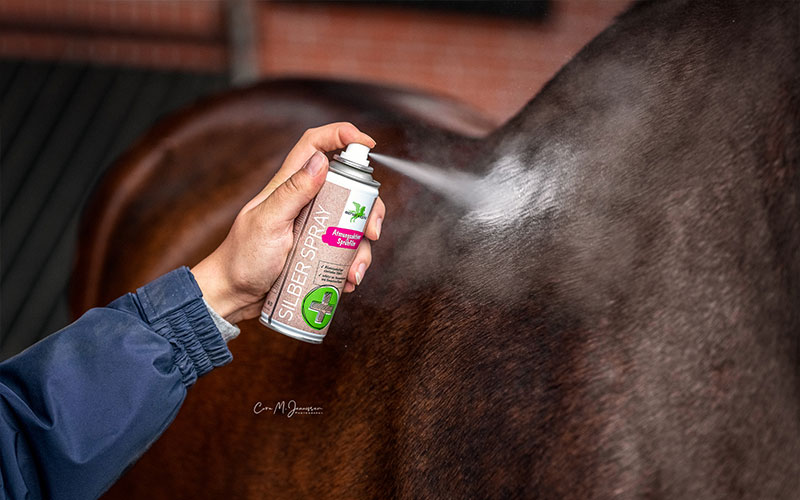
<point>325,138</point>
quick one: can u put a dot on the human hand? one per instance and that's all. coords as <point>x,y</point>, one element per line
<point>236,277</point>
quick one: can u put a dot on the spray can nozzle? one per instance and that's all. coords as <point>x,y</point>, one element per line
<point>353,163</point>
<point>357,153</point>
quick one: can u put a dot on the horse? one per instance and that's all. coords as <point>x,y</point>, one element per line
<point>621,320</point>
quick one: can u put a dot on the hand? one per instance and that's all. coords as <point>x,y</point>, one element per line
<point>236,277</point>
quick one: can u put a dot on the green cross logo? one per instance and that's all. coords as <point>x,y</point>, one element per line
<point>319,306</point>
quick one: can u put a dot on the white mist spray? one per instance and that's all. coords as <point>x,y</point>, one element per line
<point>498,197</point>
<point>464,189</point>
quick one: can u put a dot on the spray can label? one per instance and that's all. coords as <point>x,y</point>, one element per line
<point>303,299</point>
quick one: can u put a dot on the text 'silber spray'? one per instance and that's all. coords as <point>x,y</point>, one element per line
<point>327,232</point>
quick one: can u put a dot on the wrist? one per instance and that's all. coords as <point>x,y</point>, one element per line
<point>216,290</point>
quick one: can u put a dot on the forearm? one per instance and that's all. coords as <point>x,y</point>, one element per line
<point>77,408</point>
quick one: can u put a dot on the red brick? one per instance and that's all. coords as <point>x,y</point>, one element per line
<point>496,64</point>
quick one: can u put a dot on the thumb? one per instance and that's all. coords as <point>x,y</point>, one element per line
<point>290,197</point>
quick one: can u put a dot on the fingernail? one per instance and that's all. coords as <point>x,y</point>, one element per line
<point>378,224</point>
<point>314,164</point>
<point>360,273</point>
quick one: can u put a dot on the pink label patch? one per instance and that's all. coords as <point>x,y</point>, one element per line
<point>341,237</point>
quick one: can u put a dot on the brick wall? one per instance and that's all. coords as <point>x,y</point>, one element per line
<point>496,64</point>
<point>159,33</point>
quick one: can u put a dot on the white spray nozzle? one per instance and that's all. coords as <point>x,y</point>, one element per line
<point>357,153</point>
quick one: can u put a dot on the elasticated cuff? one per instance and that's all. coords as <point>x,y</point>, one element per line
<point>173,305</point>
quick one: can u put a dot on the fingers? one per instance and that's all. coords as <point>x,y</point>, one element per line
<point>325,138</point>
<point>360,265</point>
<point>285,203</point>
<point>375,221</point>
<point>364,253</point>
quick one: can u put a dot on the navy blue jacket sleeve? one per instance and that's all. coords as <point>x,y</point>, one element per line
<point>77,408</point>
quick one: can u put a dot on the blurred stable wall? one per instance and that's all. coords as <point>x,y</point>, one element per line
<point>80,80</point>
<point>495,62</point>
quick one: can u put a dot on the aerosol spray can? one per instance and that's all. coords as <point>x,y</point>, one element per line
<point>327,232</point>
